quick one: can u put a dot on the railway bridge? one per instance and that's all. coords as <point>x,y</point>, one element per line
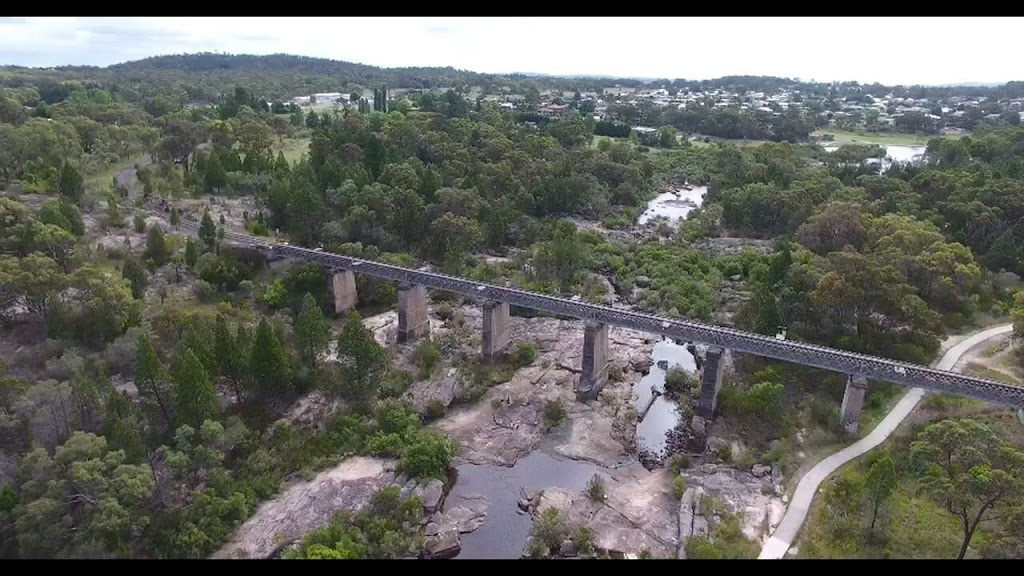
<point>413,324</point>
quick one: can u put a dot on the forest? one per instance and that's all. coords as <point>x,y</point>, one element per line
<point>147,376</point>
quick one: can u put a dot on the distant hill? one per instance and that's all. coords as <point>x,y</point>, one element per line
<point>208,76</point>
<point>217,62</point>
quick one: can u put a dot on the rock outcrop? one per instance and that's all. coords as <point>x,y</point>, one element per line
<point>307,505</point>
<point>508,423</point>
<point>443,529</point>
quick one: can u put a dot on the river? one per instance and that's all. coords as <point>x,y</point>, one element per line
<point>504,532</point>
<point>662,416</point>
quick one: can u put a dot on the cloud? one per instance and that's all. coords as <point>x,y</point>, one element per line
<point>888,50</point>
<point>122,28</point>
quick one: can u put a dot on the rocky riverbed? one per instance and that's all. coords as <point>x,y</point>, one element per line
<point>506,425</point>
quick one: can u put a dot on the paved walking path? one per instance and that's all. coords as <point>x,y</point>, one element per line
<point>777,546</point>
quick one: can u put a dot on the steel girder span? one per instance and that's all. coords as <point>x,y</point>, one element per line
<point>849,363</point>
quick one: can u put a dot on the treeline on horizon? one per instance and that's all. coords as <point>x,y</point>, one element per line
<point>294,75</point>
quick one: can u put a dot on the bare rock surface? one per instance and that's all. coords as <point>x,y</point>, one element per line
<point>638,513</point>
<point>507,423</point>
<point>692,522</point>
<point>744,494</point>
<point>467,516</point>
<point>443,545</point>
<point>307,505</point>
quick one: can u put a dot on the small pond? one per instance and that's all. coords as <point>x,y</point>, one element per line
<point>895,153</point>
<point>674,205</point>
<point>504,532</point>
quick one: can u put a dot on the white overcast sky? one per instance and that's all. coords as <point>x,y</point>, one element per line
<point>887,50</point>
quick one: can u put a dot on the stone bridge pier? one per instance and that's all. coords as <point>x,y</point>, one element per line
<point>594,372</point>
<point>853,402</point>
<point>413,314</point>
<point>711,383</point>
<point>497,333</point>
<point>343,287</point>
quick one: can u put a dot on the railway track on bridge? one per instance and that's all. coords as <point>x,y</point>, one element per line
<point>849,363</point>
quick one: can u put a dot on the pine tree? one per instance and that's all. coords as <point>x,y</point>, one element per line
<point>363,358</point>
<point>191,252</point>
<point>225,351</point>
<point>135,273</point>
<point>281,167</point>
<point>151,380</point>
<point>69,183</point>
<point>208,231</point>
<point>269,369</point>
<point>156,246</point>
<point>197,398</point>
<point>311,331</point>
<point>215,175</point>
<point>194,340</point>
<point>175,217</point>
<point>121,427</point>
<point>243,346</point>
<point>113,212</point>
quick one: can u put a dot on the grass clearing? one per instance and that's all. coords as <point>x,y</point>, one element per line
<point>911,525</point>
<point>98,185</point>
<point>293,148</point>
<point>698,140</point>
<point>842,137</point>
<point>982,371</point>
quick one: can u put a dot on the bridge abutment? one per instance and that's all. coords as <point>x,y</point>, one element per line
<point>343,286</point>
<point>413,315</point>
<point>711,382</point>
<point>497,332</point>
<point>594,372</point>
<point>853,402</point>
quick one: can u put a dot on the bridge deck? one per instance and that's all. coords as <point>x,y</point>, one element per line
<point>831,359</point>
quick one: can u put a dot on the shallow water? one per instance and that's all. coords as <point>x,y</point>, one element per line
<point>672,206</point>
<point>662,417</point>
<point>894,153</point>
<point>504,532</point>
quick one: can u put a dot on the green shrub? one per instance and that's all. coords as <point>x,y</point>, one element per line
<point>426,357</point>
<point>678,463</point>
<point>445,312</point>
<point>553,414</point>
<point>428,456</point>
<point>434,410</point>
<point>679,382</point>
<point>524,355</point>
<point>549,529</point>
<point>396,383</point>
<point>678,487</point>
<point>595,488</point>
<point>584,539</point>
